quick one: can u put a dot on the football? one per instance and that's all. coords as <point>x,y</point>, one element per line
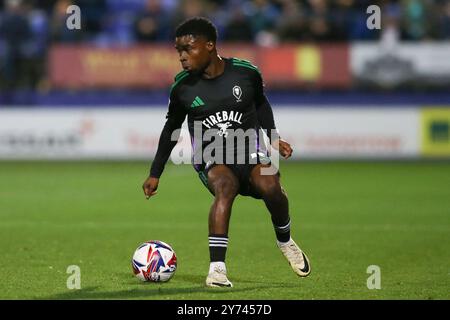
<point>154,261</point>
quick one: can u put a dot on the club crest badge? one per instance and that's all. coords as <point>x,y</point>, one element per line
<point>237,93</point>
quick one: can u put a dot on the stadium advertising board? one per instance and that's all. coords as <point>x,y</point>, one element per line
<point>155,66</point>
<point>396,65</point>
<point>351,132</point>
<point>79,134</point>
<point>134,133</point>
<point>435,129</point>
<point>324,66</point>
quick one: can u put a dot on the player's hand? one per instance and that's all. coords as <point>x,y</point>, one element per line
<point>150,185</point>
<point>283,147</point>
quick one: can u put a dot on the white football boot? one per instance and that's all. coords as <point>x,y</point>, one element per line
<point>217,277</point>
<point>297,258</point>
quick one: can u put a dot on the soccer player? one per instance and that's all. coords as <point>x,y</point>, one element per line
<point>224,94</point>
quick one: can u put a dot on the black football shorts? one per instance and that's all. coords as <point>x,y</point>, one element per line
<point>242,173</point>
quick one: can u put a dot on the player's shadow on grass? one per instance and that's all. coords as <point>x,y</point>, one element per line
<point>198,279</point>
<point>141,290</point>
<point>92,293</point>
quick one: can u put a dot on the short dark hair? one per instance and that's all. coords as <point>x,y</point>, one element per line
<point>198,26</point>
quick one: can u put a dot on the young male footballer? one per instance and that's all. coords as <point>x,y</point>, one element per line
<point>225,96</point>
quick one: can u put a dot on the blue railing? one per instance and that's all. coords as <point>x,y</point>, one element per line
<point>125,98</point>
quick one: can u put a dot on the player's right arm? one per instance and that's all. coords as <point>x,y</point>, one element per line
<point>175,118</point>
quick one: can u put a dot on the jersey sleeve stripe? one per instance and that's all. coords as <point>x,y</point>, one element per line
<point>182,73</point>
<point>244,63</point>
<point>241,60</point>
<point>178,79</point>
<point>246,66</point>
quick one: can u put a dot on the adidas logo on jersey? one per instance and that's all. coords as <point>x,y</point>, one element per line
<point>198,102</point>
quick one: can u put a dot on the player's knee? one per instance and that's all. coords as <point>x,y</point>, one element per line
<point>270,189</point>
<point>225,188</point>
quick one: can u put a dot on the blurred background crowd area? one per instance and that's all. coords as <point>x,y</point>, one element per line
<point>126,22</point>
<point>30,28</point>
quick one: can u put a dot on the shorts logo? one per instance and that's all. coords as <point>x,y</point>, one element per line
<point>237,93</point>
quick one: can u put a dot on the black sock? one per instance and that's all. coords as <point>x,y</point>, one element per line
<point>217,247</point>
<point>283,232</point>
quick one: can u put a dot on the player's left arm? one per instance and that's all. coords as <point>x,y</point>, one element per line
<point>266,120</point>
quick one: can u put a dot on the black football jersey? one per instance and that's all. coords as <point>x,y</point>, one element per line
<point>221,108</point>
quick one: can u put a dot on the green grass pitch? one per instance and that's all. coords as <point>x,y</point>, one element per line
<point>346,216</point>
